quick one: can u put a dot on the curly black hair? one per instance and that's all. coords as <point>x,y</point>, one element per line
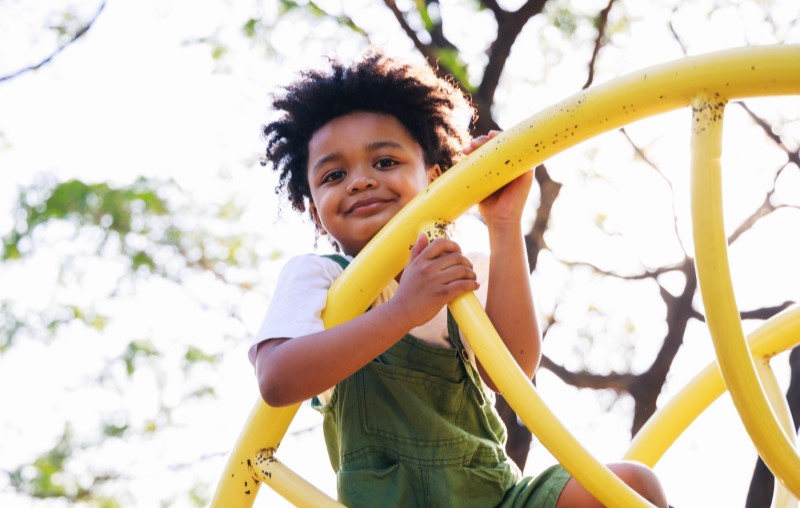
<point>425,104</point>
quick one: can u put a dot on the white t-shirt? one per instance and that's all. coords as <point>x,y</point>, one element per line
<point>302,290</point>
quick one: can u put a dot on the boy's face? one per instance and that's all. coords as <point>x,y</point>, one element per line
<point>362,169</point>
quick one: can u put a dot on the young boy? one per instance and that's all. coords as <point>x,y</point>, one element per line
<point>409,418</point>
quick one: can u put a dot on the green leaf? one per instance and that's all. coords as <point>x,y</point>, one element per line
<point>250,28</point>
<point>564,19</point>
<point>136,349</point>
<point>450,58</point>
<point>218,51</point>
<point>196,355</point>
<point>199,495</point>
<point>42,478</point>
<point>112,430</point>
<point>9,327</point>
<point>141,259</point>
<point>204,391</point>
<point>286,6</point>
<point>422,8</point>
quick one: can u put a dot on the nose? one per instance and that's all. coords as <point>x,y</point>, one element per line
<point>361,181</point>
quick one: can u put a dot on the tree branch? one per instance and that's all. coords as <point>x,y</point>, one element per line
<point>548,192</point>
<point>437,31</point>
<point>767,128</point>
<point>425,49</point>
<point>766,207</point>
<point>602,22</point>
<point>585,379</point>
<point>761,313</point>
<point>647,274</point>
<point>509,26</point>
<point>649,384</point>
<point>674,32</point>
<point>641,154</point>
<point>59,49</point>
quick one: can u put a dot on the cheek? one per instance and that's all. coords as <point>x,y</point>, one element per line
<point>323,207</point>
<point>410,183</point>
<point>422,182</point>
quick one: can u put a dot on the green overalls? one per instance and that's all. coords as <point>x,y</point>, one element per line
<point>413,428</point>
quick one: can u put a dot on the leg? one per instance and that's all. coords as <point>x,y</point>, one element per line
<point>640,477</point>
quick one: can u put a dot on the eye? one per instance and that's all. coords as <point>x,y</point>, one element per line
<point>333,176</point>
<point>385,163</point>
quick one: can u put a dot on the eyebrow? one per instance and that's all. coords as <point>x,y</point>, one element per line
<point>372,146</point>
<point>388,143</point>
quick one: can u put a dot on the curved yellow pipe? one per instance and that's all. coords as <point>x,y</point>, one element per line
<point>782,497</point>
<point>529,406</point>
<point>287,483</point>
<point>745,72</point>
<point>263,430</point>
<point>779,333</point>
<point>716,289</point>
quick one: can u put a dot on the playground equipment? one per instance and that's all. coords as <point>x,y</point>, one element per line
<point>704,83</point>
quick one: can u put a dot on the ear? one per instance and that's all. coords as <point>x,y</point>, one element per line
<point>312,210</point>
<point>433,173</point>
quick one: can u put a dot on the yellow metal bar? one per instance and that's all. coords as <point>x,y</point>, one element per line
<point>746,72</point>
<point>722,314</point>
<point>777,400</point>
<point>779,333</point>
<point>782,497</point>
<point>521,395</point>
<point>669,422</point>
<point>289,484</point>
<point>264,429</point>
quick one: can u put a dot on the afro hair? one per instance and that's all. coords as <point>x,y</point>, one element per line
<point>435,112</point>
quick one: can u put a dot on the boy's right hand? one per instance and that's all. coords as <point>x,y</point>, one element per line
<point>436,273</point>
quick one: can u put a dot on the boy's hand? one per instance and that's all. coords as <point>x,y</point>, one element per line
<point>507,203</point>
<point>479,141</point>
<point>436,273</point>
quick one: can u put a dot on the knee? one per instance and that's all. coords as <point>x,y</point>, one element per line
<point>643,480</point>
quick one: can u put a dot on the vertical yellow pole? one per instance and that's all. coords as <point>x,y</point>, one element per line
<point>722,315</point>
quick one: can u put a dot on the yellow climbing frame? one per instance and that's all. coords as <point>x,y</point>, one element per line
<point>704,83</point>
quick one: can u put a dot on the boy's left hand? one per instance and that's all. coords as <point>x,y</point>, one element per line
<point>507,203</point>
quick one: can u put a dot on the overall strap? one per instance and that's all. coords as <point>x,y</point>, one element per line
<point>454,335</point>
<point>343,262</point>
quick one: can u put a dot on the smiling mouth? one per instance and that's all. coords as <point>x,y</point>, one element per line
<point>366,206</point>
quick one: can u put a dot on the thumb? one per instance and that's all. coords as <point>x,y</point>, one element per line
<point>418,247</point>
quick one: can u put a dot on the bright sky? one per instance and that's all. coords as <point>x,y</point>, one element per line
<point>133,99</point>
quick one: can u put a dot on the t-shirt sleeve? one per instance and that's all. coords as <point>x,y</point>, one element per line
<point>298,301</point>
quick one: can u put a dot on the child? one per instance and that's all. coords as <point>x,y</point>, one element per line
<point>409,418</point>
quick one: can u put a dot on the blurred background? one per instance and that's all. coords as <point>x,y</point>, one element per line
<point>141,237</point>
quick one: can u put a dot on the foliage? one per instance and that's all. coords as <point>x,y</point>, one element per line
<point>117,212</point>
<point>48,477</point>
<point>136,233</point>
